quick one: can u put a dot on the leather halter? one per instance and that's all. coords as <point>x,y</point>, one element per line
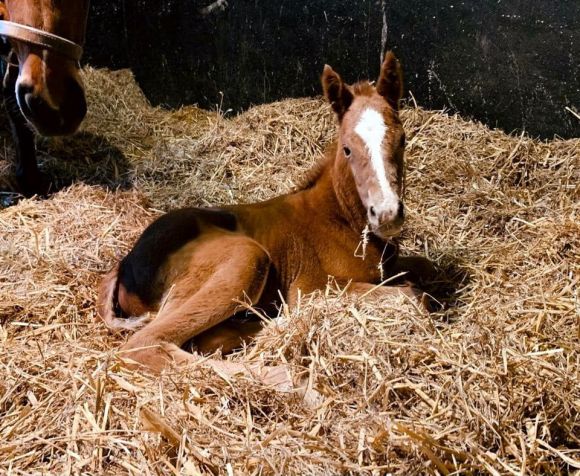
<point>41,38</point>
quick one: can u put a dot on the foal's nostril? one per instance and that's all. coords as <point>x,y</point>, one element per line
<point>372,212</point>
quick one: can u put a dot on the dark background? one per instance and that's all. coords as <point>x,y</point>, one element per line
<point>513,64</point>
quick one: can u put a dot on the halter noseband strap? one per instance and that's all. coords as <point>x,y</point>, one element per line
<point>41,38</point>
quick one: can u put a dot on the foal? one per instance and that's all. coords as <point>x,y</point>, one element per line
<point>196,267</point>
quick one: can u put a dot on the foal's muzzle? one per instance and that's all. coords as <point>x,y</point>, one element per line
<point>386,219</point>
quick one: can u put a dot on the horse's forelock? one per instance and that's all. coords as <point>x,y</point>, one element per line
<point>363,88</point>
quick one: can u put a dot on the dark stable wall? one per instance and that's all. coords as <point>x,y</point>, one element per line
<point>513,64</point>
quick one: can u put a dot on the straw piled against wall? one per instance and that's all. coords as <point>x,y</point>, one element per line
<point>488,384</point>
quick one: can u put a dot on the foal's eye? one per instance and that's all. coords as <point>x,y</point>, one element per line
<point>346,151</point>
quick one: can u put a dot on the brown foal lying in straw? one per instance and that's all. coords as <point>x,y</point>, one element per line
<point>197,267</point>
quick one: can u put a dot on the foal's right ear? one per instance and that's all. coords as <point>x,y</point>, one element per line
<point>336,91</point>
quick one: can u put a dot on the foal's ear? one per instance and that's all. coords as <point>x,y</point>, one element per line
<point>336,91</point>
<point>390,83</point>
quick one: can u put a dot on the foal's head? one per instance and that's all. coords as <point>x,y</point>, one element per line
<point>372,142</point>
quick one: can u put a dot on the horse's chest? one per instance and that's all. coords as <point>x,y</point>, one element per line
<point>352,262</point>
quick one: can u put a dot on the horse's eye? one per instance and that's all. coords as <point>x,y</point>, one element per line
<point>346,151</point>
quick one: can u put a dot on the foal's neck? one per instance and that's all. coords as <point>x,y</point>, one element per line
<point>332,191</point>
<point>332,194</point>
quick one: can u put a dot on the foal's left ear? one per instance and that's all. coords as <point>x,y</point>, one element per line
<point>390,83</point>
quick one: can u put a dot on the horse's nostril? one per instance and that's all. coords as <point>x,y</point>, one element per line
<point>24,88</point>
<point>23,93</point>
<point>52,112</point>
<point>372,211</point>
<point>401,211</point>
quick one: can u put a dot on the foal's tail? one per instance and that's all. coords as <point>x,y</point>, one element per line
<point>109,308</point>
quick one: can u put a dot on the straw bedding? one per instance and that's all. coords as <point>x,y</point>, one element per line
<point>489,383</point>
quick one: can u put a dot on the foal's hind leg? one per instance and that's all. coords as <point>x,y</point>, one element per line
<point>222,272</point>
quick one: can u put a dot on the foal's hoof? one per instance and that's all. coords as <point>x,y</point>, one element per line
<point>427,304</point>
<point>421,299</point>
<point>152,359</point>
<point>279,378</point>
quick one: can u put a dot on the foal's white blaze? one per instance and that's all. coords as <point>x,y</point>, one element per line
<point>371,128</point>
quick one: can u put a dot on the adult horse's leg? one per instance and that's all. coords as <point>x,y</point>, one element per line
<point>29,179</point>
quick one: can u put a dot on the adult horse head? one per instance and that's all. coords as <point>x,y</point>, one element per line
<point>45,36</point>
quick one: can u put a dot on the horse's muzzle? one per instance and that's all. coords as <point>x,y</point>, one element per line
<point>387,221</point>
<point>52,117</point>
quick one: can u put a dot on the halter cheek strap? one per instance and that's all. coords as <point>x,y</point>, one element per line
<point>41,38</point>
